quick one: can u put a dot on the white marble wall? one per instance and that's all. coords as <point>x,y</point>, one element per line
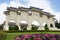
<point>24,16</point>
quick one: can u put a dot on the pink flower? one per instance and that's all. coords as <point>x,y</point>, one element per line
<point>53,38</point>
<point>27,35</point>
<point>37,38</point>
<point>47,35</point>
<point>17,38</point>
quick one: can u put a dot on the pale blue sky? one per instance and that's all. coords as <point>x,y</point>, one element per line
<point>54,3</point>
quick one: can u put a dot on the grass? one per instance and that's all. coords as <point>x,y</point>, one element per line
<point>11,36</point>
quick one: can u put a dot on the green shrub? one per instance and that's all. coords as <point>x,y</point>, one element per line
<point>15,27</point>
<point>23,29</point>
<point>34,27</point>
<point>2,35</point>
<point>1,27</point>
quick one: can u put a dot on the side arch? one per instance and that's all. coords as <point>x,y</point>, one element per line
<point>45,26</point>
<point>51,25</point>
<point>35,25</point>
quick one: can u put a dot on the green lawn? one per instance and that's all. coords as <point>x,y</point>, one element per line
<point>11,36</point>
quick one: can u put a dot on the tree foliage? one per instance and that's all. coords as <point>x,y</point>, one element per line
<point>13,27</point>
<point>1,26</point>
<point>57,24</point>
<point>34,27</point>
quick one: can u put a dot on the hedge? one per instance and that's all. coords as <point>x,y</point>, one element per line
<point>14,31</point>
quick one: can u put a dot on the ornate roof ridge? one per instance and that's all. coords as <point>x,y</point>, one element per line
<point>30,8</point>
<point>9,8</point>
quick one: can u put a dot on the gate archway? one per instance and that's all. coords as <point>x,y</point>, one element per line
<point>35,25</point>
<point>23,25</point>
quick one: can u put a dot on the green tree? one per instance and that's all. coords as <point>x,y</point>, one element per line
<point>1,26</point>
<point>13,27</point>
<point>57,24</point>
<point>34,27</point>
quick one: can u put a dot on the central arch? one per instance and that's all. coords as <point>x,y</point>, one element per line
<point>35,25</point>
<point>24,25</point>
